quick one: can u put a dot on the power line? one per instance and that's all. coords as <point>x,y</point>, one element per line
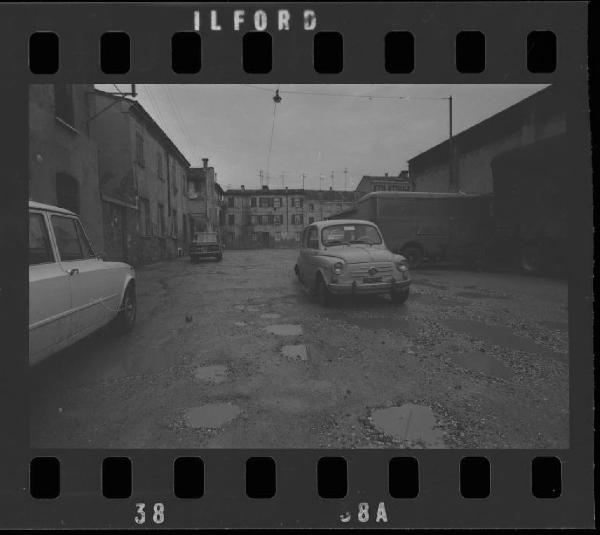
<point>271,142</point>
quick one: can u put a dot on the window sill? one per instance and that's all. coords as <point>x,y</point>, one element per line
<point>66,125</point>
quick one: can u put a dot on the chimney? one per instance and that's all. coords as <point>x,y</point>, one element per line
<point>205,162</point>
<point>386,175</point>
<point>243,187</point>
<point>265,188</point>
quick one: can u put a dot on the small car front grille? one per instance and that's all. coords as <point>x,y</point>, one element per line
<point>363,269</point>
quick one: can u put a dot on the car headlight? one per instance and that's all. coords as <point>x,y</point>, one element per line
<point>402,267</point>
<point>337,268</point>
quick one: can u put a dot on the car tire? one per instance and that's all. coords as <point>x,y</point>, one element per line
<point>399,298</point>
<point>125,319</point>
<point>413,254</point>
<point>322,293</point>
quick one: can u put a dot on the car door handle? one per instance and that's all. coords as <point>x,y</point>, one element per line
<point>73,271</point>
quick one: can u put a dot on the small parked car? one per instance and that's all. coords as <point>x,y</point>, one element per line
<point>72,291</point>
<point>350,257</point>
<point>206,245</point>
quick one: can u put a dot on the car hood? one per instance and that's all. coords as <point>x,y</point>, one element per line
<point>115,265</point>
<point>357,254</point>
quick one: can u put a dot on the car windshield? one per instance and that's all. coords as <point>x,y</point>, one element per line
<point>205,237</point>
<point>349,234</point>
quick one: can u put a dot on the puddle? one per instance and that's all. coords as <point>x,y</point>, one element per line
<point>297,352</point>
<point>501,336</point>
<point>389,324</point>
<point>483,363</point>
<point>211,416</point>
<point>429,284</point>
<point>212,374</point>
<point>270,316</point>
<point>481,295</point>
<point>437,301</point>
<point>413,424</point>
<point>285,329</point>
<point>555,325</point>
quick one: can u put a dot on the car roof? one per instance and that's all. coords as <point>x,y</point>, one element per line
<point>50,208</point>
<point>330,222</point>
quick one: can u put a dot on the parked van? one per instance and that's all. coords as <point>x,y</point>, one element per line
<point>421,225</point>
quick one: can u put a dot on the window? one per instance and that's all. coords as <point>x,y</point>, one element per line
<point>231,236</point>
<point>278,236</point>
<point>253,202</point>
<point>265,202</point>
<point>69,239</point>
<point>139,149</point>
<point>253,220</point>
<point>161,220</point>
<point>231,202</point>
<point>311,206</point>
<point>270,219</point>
<point>297,237</point>
<point>277,202</point>
<point>159,165</point>
<point>174,219</point>
<point>254,236</point>
<point>297,219</point>
<point>88,252</point>
<point>378,187</point>
<point>63,103</point>
<point>40,250</point>
<point>312,238</point>
<point>297,202</point>
<point>278,219</point>
<point>231,220</point>
<point>145,219</point>
<point>311,220</point>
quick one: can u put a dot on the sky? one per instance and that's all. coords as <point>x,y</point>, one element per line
<point>315,129</point>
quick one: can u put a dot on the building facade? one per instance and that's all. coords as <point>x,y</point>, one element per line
<point>143,183</point>
<point>204,199</point>
<point>276,217</point>
<point>369,183</point>
<point>63,158</point>
<point>465,163</point>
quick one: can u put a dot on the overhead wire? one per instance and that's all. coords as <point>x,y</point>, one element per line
<point>271,140</point>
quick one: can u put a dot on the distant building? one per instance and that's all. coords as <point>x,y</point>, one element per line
<point>143,182</point>
<point>63,158</point>
<point>276,217</point>
<point>538,117</point>
<point>204,199</point>
<point>369,183</point>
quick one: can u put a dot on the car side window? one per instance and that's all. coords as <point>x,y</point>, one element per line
<point>67,238</point>
<point>40,250</point>
<point>313,238</point>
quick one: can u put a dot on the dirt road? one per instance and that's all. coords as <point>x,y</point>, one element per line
<point>236,355</point>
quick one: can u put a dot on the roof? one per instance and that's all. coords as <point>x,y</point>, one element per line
<point>416,195</point>
<point>50,208</point>
<point>546,101</point>
<point>147,118</point>
<point>325,195</point>
<point>321,224</point>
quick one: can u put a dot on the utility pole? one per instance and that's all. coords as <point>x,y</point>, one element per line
<point>303,177</point>
<point>332,176</point>
<point>260,174</point>
<point>345,179</point>
<point>283,180</point>
<point>321,178</point>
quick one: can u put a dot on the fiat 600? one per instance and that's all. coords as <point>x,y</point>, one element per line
<point>350,257</point>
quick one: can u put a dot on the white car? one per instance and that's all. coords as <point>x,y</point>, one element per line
<point>72,292</point>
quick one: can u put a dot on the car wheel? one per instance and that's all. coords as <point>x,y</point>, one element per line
<point>413,254</point>
<point>398,298</point>
<point>127,311</point>
<point>323,295</point>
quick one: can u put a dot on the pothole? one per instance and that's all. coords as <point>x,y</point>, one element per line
<point>412,424</point>
<point>483,363</point>
<point>285,329</point>
<point>295,352</point>
<point>212,374</point>
<point>211,416</point>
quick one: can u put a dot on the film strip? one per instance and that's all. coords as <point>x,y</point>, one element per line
<point>268,47</point>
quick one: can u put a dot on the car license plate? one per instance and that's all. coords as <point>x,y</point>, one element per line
<point>368,280</point>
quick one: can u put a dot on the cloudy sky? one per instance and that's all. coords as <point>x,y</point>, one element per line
<point>316,129</point>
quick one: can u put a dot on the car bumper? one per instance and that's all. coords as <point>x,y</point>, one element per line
<point>204,253</point>
<point>355,288</point>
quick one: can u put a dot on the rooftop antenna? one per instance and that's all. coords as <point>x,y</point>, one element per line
<point>303,177</point>
<point>345,179</point>
<point>332,177</point>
